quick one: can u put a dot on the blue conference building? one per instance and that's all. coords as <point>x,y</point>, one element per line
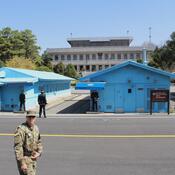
<point>13,81</point>
<point>126,87</point>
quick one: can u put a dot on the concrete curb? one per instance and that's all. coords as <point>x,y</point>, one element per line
<point>98,115</point>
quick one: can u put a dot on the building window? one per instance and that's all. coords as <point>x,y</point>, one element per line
<point>87,68</point>
<point>106,56</point>
<point>93,68</point>
<point>68,57</point>
<point>112,56</point>
<point>56,57</point>
<point>140,89</point>
<point>119,56</point>
<point>74,57</point>
<point>62,57</point>
<point>87,57</point>
<point>125,56</point>
<point>100,56</point>
<point>129,91</point>
<point>131,56</point>
<point>81,57</point>
<point>106,66</point>
<point>100,67</point>
<point>94,56</point>
<point>81,68</point>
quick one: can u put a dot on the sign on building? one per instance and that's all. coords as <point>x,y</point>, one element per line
<point>159,96</point>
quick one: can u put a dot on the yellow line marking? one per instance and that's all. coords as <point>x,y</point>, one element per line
<point>108,136</point>
<point>6,134</point>
<point>100,136</point>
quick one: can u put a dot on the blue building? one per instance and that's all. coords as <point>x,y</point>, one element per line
<point>126,87</point>
<point>13,81</point>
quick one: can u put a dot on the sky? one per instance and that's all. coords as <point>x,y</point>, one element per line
<point>53,21</point>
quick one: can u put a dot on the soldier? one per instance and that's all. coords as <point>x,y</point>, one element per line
<point>22,99</point>
<point>27,145</point>
<point>94,97</point>
<point>42,103</point>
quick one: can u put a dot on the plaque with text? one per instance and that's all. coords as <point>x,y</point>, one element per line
<point>159,96</point>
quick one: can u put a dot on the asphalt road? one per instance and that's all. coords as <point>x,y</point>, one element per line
<point>97,145</point>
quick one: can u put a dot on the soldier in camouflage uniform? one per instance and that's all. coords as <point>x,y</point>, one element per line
<point>27,145</point>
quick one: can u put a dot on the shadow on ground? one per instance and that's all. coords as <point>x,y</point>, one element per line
<point>77,108</point>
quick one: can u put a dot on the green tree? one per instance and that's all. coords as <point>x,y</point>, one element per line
<point>17,43</point>
<point>38,61</point>
<point>139,60</point>
<point>70,71</point>
<point>59,68</point>
<point>5,44</point>
<point>164,57</point>
<point>31,50</point>
<point>44,68</point>
<point>46,60</point>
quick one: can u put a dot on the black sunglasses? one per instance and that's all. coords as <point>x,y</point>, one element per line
<point>31,116</point>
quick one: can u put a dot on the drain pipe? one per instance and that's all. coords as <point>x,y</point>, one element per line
<point>145,62</point>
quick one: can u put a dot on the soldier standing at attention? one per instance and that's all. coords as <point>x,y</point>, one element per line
<point>94,97</point>
<point>27,145</point>
<point>42,103</point>
<point>22,99</point>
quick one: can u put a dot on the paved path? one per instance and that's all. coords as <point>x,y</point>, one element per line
<point>77,104</point>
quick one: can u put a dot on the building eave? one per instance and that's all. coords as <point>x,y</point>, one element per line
<point>99,73</point>
<point>96,49</point>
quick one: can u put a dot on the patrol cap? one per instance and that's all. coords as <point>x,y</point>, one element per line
<point>31,113</point>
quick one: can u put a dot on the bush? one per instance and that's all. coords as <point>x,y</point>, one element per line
<point>20,62</point>
<point>44,68</point>
<point>2,64</point>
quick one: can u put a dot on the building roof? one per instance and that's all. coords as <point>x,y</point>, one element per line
<point>100,38</point>
<point>95,49</point>
<point>146,67</point>
<point>17,80</point>
<point>99,41</point>
<point>90,85</point>
<point>33,76</point>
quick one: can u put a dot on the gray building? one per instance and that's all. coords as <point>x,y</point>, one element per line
<point>93,54</point>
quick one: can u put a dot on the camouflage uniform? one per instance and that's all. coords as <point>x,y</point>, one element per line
<point>27,141</point>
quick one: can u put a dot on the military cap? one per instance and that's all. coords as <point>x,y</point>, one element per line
<point>31,113</point>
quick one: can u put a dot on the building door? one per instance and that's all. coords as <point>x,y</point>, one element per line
<point>129,100</point>
<point>10,97</point>
<point>119,99</point>
<point>140,99</point>
<point>109,99</point>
